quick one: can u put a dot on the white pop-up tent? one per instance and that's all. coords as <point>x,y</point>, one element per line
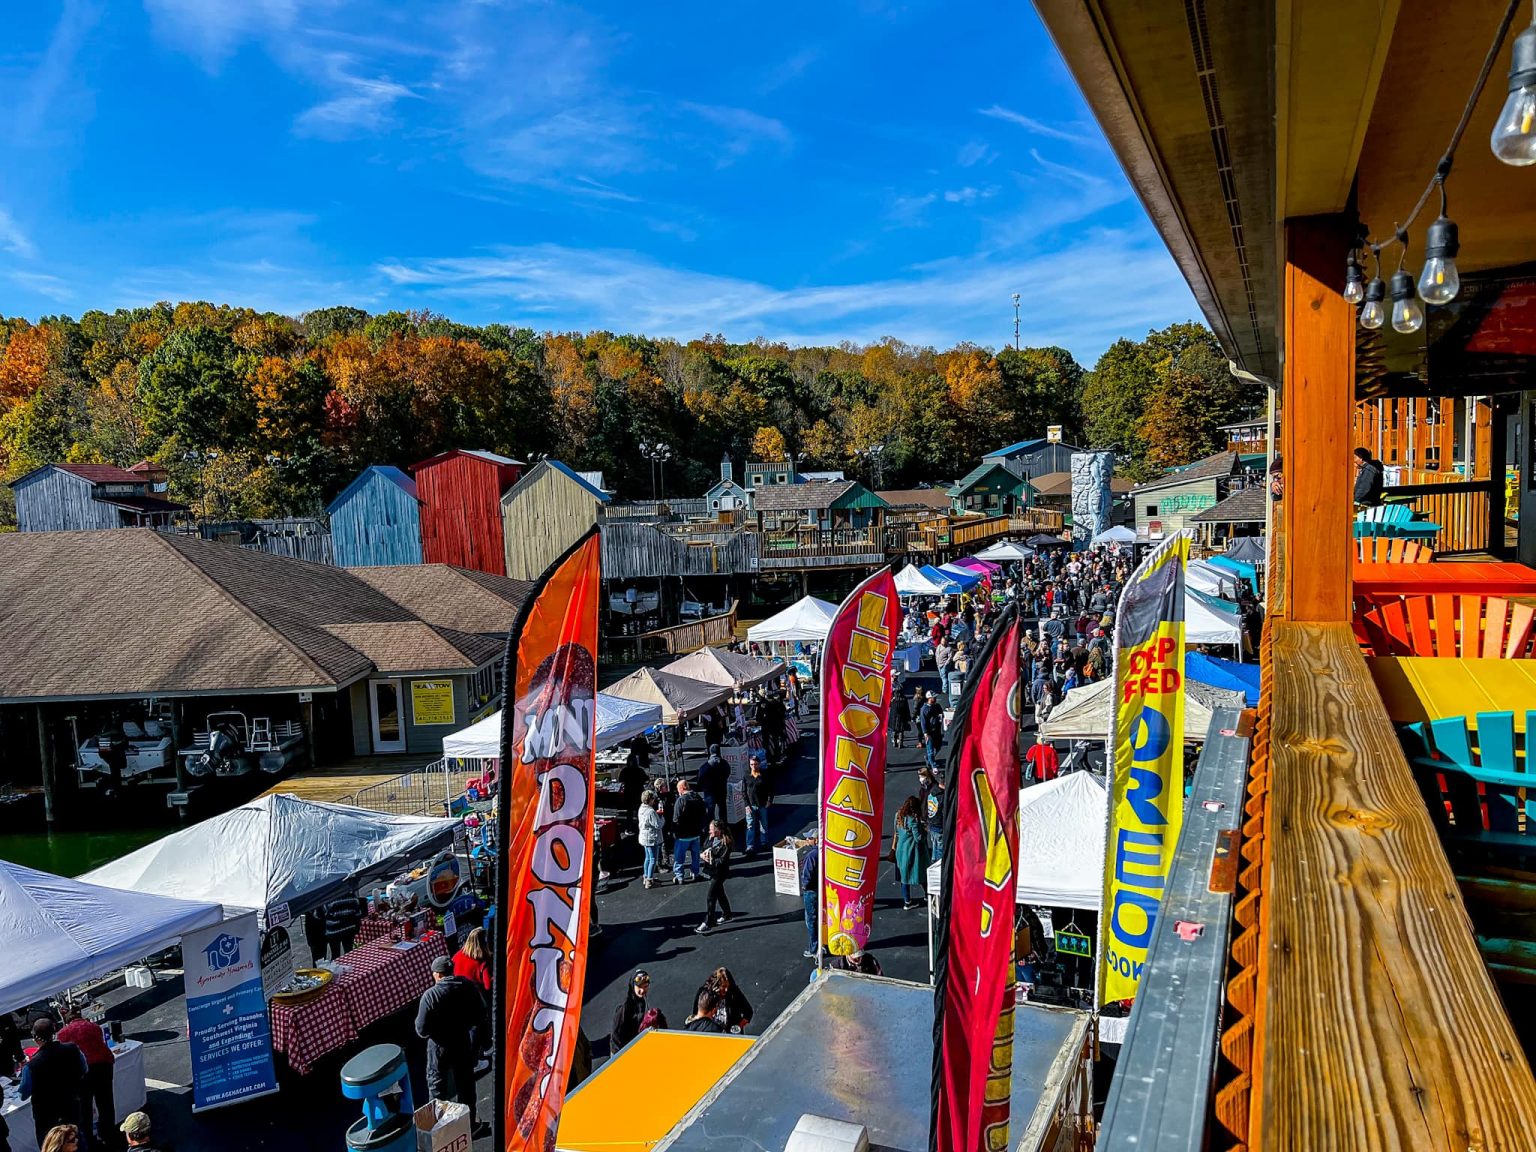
<point>913,581</point>
<point>725,668</point>
<point>59,932</point>
<point>806,619</point>
<point>1119,534</point>
<point>1084,713</point>
<point>1209,578</point>
<point>618,720</point>
<point>1005,550</point>
<point>277,850</point>
<point>1207,625</point>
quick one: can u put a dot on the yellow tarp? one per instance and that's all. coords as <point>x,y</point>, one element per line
<point>632,1101</point>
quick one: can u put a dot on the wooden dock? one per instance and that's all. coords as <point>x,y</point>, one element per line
<point>336,782</point>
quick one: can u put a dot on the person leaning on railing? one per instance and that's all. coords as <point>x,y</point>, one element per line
<point>1370,479</point>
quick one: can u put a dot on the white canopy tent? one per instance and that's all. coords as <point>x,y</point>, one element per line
<point>1084,713</point>
<point>1210,578</point>
<point>806,619</point>
<point>276,850</point>
<point>59,932</point>
<point>678,697</point>
<point>618,720</point>
<point>912,581</point>
<point>1119,534</point>
<point>1005,550</point>
<point>1204,625</point>
<point>725,668</point>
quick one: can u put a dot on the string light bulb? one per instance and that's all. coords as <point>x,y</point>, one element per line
<point>1407,312</point>
<point>1440,281</point>
<point>1514,132</point>
<point>1354,280</point>
<point>1373,315</point>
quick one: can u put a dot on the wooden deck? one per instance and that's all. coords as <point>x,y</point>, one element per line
<point>1378,1025</point>
<point>336,782</point>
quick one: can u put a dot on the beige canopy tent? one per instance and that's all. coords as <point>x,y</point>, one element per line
<point>1084,713</point>
<point>724,668</point>
<point>680,697</point>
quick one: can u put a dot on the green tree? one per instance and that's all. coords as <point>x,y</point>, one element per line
<point>190,389</point>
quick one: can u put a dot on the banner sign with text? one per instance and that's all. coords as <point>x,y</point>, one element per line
<point>231,1038</point>
<point>973,969</point>
<point>855,708</point>
<point>546,795</point>
<point>1146,795</point>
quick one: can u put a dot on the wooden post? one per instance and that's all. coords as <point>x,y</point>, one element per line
<point>1499,409</point>
<point>1318,400</point>
<point>45,760</point>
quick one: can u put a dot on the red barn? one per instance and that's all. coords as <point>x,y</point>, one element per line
<point>460,493</point>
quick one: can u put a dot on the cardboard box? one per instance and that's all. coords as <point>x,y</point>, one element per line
<point>442,1126</point>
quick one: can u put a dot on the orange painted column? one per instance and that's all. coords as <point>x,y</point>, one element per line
<point>1318,393</point>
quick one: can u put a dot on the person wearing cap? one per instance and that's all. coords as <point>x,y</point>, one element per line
<point>136,1129</point>
<point>98,1077</point>
<point>452,1019</point>
<point>930,728</point>
<point>628,1015</point>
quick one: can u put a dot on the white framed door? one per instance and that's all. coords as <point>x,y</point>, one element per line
<point>386,709</point>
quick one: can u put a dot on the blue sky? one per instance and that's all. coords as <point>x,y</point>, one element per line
<point>847,169</point>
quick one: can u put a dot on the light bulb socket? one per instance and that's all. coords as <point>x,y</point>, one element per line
<point>1402,286</point>
<point>1352,272</point>
<point>1376,291</point>
<point>1522,60</point>
<point>1442,240</point>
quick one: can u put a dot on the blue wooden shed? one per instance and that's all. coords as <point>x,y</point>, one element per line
<point>377,519</point>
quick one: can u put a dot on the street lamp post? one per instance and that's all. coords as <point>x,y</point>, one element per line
<point>1015,321</point>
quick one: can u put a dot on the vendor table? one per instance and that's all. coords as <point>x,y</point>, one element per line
<point>1420,688</point>
<point>128,1094</point>
<point>380,978</point>
<point>373,928</point>
<point>1489,578</point>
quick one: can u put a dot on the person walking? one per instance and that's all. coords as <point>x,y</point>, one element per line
<point>54,1080</point>
<point>901,718</point>
<point>473,960</point>
<point>453,1020</point>
<point>98,1074</point>
<point>689,819</point>
<point>628,1016</point>
<point>930,724</point>
<point>930,799</point>
<point>717,855</point>
<point>652,830</point>
<point>808,854</point>
<point>912,857</point>
<point>1041,761</point>
<point>758,794</point>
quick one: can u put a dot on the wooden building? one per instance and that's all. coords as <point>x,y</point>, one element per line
<point>377,519</point>
<point>543,514</point>
<point>1448,435</point>
<point>80,497</point>
<point>1031,458</point>
<point>1169,503</point>
<point>768,475</point>
<point>992,489</point>
<point>1248,437</point>
<point>461,516</point>
<point>725,495</point>
<point>827,506</point>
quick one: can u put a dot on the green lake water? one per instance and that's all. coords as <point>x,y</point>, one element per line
<point>71,853</point>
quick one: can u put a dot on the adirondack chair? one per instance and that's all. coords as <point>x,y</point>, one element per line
<point>1391,550</point>
<point>1393,520</point>
<point>1448,624</point>
<point>1473,774</point>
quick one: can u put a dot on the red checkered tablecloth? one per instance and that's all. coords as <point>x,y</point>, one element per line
<point>383,978</point>
<point>305,1032</point>
<point>373,928</point>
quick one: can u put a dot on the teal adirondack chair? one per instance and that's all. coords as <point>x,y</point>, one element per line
<point>1474,774</point>
<point>1393,520</point>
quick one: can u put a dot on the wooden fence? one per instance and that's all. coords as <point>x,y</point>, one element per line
<point>822,547</point>
<point>635,551</point>
<point>693,635</point>
<point>1463,510</point>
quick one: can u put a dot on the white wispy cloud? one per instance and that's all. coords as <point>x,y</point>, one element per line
<point>12,238</point>
<point>53,287</point>
<point>212,29</point>
<point>973,153</point>
<point>791,69</point>
<point>1073,133</point>
<point>54,84</point>
<point>1079,299</point>
<point>969,194</point>
<point>360,106</point>
<point>908,211</point>
<point>740,130</point>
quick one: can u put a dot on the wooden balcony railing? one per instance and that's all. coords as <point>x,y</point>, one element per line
<point>694,634</point>
<point>822,547</point>
<point>1463,509</point>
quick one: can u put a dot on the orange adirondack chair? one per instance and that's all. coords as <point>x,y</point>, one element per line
<point>1391,550</point>
<point>1448,624</point>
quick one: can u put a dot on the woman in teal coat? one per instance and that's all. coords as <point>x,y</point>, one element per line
<point>912,858</point>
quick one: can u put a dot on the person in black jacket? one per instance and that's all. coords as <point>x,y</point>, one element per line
<point>627,1016</point>
<point>758,794</point>
<point>54,1080</point>
<point>735,1011</point>
<point>1369,479</point>
<point>689,817</point>
<point>452,1019</point>
<point>717,854</point>
<point>704,1009</point>
<point>714,776</point>
<point>901,718</point>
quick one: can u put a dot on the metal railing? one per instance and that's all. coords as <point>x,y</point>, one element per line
<point>429,791</point>
<point>1160,1098</point>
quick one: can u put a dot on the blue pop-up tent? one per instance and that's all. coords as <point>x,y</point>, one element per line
<point>950,583</point>
<point>1245,570</point>
<point>1229,674</point>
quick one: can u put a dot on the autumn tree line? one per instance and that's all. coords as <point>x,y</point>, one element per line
<point>261,415</point>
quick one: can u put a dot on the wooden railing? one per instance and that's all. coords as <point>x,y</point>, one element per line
<point>696,633</point>
<point>1461,508</point>
<point>822,544</point>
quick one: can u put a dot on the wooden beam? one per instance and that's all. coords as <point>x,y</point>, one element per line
<point>1316,428</point>
<point>1379,1027</point>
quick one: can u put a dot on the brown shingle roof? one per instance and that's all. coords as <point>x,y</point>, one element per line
<point>133,612</point>
<point>450,597</point>
<point>1060,484</point>
<point>1245,506</point>
<point>797,497</point>
<point>412,646</point>
<point>1221,464</point>
<point>916,497</point>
